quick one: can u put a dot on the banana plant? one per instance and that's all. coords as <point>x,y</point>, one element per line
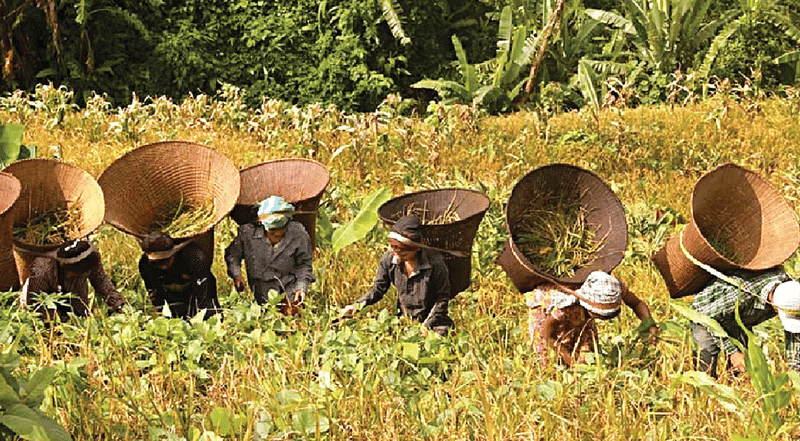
<point>515,49</point>
<point>663,33</point>
<point>11,147</point>
<point>749,14</point>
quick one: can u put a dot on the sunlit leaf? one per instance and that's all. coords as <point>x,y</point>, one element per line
<point>10,142</point>
<point>363,222</point>
<point>725,395</point>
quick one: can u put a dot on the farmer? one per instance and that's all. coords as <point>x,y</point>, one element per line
<point>178,275</point>
<point>419,274</point>
<point>565,319</point>
<point>68,270</point>
<point>277,253</point>
<point>763,294</point>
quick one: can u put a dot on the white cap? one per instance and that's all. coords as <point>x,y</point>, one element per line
<point>786,299</point>
<point>603,290</point>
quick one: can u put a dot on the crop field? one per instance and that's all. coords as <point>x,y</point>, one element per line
<point>253,374</point>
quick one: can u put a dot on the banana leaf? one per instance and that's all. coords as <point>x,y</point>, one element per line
<point>362,223</point>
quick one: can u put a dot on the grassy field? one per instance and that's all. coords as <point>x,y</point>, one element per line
<point>257,375</point>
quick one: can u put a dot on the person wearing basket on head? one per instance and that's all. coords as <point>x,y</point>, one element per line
<point>277,253</point>
<point>419,274</point>
<point>761,295</point>
<point>565,319</point>
<point>69,270</point>
<point>178,275</point>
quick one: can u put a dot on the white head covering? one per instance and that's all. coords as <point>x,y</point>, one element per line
<point>786,299</point>
<point>602,289</point>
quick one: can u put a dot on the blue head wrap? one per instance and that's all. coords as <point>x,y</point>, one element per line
<point>274,212</point>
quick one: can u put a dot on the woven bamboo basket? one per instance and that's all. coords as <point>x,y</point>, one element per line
<point>739,221</point>
<point>143,181</point>
<point>49,183</point>
<point>10,189</point>
<point>605,216</point>
<point>300,182</point>
<point>469,207</point>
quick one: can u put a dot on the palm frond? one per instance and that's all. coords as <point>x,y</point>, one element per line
<point>467,71</point>
<point>718,43</point>
<point>788,57</point>
<point>393,19</point>
<point>589,84</point>
<point>611,19</point>
<point>606,67</point>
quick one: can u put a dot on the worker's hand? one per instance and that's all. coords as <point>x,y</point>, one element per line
<point>653,331</point>
<point>239,283</point>
<point>299,297</point>
<point>737,362</point>
<point>350,309</point>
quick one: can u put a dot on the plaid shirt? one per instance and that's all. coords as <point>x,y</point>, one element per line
<point>793,350</point>
<point>718,301</point>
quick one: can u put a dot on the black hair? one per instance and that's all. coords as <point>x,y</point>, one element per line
<point>157,241</point>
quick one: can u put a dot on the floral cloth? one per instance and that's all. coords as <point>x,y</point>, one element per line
<point>574,331</point>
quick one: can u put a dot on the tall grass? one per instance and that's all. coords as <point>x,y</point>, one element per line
<point>257,375</point>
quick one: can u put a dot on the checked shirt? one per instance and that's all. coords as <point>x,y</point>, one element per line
<point>718,301</point>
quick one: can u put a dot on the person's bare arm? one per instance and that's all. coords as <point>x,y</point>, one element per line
<point>641,310</point>
<point>546,338</point>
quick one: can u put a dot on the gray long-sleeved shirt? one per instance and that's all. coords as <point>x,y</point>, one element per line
<point>424,296</point>
<point>289,261</point>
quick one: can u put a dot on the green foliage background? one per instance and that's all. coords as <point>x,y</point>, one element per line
<point>349,52</point>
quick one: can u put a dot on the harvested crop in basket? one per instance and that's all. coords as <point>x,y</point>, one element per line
<point>184,219</point>
<point>722,246</point>
<point>448,216</point>
<point>555,237</point>
<point>50,227</point>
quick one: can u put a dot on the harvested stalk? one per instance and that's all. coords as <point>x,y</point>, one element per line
<point>183,219</point>
<point>51,227</point>
<point>448,216</point>
<point>722,246</point>
<point>555,237</point>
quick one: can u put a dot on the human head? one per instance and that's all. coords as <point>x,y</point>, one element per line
<point>405,237</point>
<point>602,293</point>
<point>274,213</point>
<point>786,299</point>
<point>160,249</point>
<point>76,256</point>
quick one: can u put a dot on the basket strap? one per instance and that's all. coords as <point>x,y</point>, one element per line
<point>408,241</point>
<point>714,272</point>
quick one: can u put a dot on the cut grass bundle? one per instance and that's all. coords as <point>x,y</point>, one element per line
<point>448,216</point>
<point>722,246</point>
<point>184,219</point>
<point>555,237</point>
<point>51,227</point>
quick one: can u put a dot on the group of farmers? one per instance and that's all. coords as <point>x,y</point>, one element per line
<point>277,253</point>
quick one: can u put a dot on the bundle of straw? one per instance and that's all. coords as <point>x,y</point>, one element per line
<point>555,237</point>
<point>51,227</point>
<point>448,216</point>
<point>183,219</point>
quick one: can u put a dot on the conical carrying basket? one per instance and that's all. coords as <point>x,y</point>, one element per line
<point>10,189</point>
<point>300,182</point>
<point>45,185</point>
<point>739,221</point>
<point>604,215</point>
<point>463,211</point>
<point>141,183</point>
